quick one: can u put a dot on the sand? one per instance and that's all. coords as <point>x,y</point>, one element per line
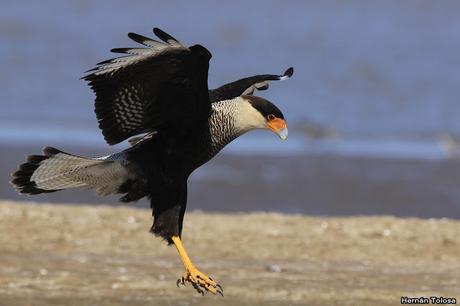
<point>88,255</point>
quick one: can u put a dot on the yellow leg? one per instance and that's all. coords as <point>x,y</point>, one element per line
<point>199,280</point>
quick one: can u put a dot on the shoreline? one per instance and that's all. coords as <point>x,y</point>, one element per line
<point>306,184</point>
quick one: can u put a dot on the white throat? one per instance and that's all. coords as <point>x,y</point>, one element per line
<point>246,117</point>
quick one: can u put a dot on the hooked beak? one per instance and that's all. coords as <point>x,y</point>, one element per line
<point>278,126</point>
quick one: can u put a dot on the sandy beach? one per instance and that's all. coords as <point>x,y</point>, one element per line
<point>101,255</point>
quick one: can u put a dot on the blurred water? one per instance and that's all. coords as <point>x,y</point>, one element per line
<point>383,74</point>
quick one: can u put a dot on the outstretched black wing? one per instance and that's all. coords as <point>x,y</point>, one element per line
<point>161,86</point>
<point>246,86</point>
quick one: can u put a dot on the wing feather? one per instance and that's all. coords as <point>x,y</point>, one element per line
<point>247,86</point>
<point>149,89</point>
<point>148,42</point>
<point>166,37</point>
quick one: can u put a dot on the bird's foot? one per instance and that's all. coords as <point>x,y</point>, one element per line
<point>200,281</point>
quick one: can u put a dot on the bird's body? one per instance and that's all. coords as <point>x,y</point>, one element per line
<point>161,93</point>
<point>161,163</point>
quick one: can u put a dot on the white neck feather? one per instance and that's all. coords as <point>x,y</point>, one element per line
<point>232,118</point>
<point>246,117</point>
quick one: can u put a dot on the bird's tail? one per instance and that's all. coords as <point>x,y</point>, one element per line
<point>56,170</point>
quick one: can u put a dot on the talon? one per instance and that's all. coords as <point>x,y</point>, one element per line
<point>197,288</point>
<point>200,281</point>
<point>178,282</point>
<point>220,292</point>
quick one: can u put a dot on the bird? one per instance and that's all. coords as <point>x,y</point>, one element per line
<point>156,96</point>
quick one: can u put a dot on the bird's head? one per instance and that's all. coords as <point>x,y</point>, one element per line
<point>258,113</point>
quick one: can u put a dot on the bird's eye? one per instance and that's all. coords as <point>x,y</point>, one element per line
<point>271,117</point>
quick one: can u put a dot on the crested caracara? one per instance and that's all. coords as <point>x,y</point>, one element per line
<point>159,94</point>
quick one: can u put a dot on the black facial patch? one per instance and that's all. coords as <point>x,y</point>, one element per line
<point>264,107</point>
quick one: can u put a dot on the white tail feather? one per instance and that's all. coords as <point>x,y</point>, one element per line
<point>62,171</point>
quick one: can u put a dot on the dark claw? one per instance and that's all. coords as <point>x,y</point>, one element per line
<point>180,281</point>
<point>220,292</point>
<point>197,288</point>
<point>220,287</point>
